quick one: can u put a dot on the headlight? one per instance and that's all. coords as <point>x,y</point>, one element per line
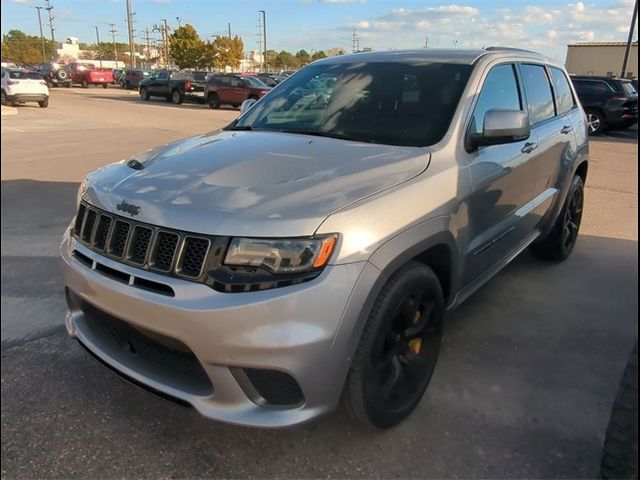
<point>282,255</point>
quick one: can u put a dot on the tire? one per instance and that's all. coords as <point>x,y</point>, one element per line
<point>62,75</point>
<point>620,452</point>
<point>127,85</point>
<point>44,103</point>
<point>105,85</point>
<point>68,85</point>
<point>595,122</point>
<point>558,244</point>
<point>84,84</point>
<point>144,94</point>
<point>4,99</point>
<point>398,349</point>
<point>214,101</point>
<point>176,97</point>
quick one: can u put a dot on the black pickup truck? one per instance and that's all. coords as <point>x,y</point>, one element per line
<point>174,86</point>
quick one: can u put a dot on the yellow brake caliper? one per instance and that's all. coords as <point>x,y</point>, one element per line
<point>416,343</point>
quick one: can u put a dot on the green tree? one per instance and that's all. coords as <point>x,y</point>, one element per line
<point>24,49</point>
<point>318,55</point>
<point>303,57</point>
<point>286,60</point>
<point>227,52</point>
<point>270,58</point>
<point>187,49</point>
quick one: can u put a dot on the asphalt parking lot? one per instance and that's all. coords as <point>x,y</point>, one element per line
<point>523,389</point>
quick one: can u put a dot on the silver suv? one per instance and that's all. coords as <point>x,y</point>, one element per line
<point>309,251</point>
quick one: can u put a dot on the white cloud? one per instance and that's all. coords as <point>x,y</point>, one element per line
<point>19,2</point>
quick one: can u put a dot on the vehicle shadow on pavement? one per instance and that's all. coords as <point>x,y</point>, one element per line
<point>161,101</point>
<point>524,386</point>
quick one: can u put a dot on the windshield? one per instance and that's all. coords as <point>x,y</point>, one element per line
<point>628,88</point>
<point>200,76</point>
<point>254,82</point>
<point>24,74</point>
<point>387,102</point>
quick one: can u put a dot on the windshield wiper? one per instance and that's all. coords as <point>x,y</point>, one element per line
<point>239,128</point>
<point>320,133</point>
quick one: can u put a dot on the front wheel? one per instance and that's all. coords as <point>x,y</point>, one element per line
<point>559,242</point>
<point>213,101</point>
<point>44,103</point>
<point>105,85</point>
<point>84,84</point>
<point>144,94</point>
<point>4,101</point>
<point>398,349</point>
<point>176,97</point>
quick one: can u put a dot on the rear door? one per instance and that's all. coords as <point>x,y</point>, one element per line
<point>238,91</point>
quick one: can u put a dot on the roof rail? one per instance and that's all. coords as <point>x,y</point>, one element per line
<point>509,49</point>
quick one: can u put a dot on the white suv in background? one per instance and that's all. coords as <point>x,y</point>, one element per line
<point>19,86</point>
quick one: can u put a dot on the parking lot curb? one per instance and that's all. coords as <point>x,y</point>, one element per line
<point>8,111</point>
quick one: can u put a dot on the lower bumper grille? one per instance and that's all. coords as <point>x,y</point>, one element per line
<point>162,359</point>
<point>276,388</point>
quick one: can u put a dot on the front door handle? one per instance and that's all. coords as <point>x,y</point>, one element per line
<point>529,147</point>
<point>566,129</point>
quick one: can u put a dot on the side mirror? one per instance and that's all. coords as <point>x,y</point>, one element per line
<point>247,104</point>
<point>502,126</point>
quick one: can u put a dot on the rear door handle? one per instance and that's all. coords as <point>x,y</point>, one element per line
<point>566,129</point>
<point>529,147</point>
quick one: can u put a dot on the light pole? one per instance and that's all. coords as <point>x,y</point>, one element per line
<point>98,45</point>
<point>629,40</point>
<point>264,38</point>
<point>44,54</point>
<point>179,20</point>
<point>132,54</point>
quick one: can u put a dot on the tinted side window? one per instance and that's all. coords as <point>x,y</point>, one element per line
<point>500,90</point>
<point>564,97</point>
<point>163,75</point>
<point>539,96</point>
<point>590,87</point>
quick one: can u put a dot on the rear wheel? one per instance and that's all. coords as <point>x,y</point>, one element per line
<point>398,350</point>
<point>84,84</point>
<point>4,100</point>
<point>176,97</point>
<point>213,101</point>
<point>127,85</point>
<point>44,103</point>
<point>595,122</point>
<point>144,94</point>
<point>559,242</point>
<point>105,85</point>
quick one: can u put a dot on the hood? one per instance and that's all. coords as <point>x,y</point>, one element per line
<point>267,184</point>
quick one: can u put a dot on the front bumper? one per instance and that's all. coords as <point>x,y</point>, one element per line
<point>301,330</point>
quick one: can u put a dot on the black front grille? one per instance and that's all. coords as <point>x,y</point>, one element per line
<point>119,238</point>
<point>139,244</point>
<point>172,252</point>
<point>276,388</point>
<point>195,251</point>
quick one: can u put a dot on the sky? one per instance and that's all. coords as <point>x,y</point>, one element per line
<point>543,25</point>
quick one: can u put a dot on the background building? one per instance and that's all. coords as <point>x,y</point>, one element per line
<point>601,58</point>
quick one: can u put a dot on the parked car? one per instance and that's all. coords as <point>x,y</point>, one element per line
<point>308,252</point>
<point>269,80</point>
<point>175,87</point>
<point>87,74</point>
<point>610,103</point>
<point>132,78</point>
<point>233,90</point>
<point>20,86</point>
<point>118,76</point>
<point>55,74</point>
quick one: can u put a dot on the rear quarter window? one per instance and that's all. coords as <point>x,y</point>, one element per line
<point>564,97</point>
<point>539,94</point>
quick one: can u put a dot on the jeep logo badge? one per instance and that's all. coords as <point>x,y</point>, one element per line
<point>129,208</point>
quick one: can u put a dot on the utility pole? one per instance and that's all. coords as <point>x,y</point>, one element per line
<point>629,40</point>
<point>229,27</point>
<point>260,33</point>
<point>166,40</point>
<point>132,57</point>
<point>113,32</point>
<point>49,8</point>
<point>354,41</point>
<point>98,45</point>
<point>44,54</point>
<point>264,38</point>
<point>148,55</point>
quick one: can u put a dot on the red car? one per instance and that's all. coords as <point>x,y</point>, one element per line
<point>87,74</point>
<point>233,90</point>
